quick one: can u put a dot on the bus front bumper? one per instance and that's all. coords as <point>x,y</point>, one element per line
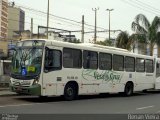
<point>32,90</point>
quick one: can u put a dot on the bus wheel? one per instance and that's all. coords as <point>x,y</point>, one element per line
<point>43,98</point>
<point>145,91</point>
<point>128,91</point>
<point>70,92</point>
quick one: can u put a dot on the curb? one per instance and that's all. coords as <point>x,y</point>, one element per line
<point>8,95</point>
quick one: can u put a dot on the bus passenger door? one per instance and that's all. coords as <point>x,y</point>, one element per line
<point>52,65</point>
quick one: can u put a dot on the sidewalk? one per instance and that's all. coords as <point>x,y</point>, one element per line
<point>6,92</point>
<point>4,86</point>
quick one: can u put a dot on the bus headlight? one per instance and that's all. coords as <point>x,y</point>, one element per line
<point>36,80</point>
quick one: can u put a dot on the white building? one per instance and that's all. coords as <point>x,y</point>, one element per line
<point>69,38</point>
<point>59,37</point>
<point>54,36</point>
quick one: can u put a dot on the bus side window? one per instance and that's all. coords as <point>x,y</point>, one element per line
<point>90,60</point>
<point>53,60</point>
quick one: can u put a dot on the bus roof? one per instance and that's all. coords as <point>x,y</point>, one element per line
<point>90,46</point>
<point>102,46</point>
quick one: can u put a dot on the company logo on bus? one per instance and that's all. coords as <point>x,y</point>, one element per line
<point>107,76</point>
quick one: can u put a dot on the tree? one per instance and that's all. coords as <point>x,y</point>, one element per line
<point>142,27</point>
<point>124,40</point>
<point>140,41</point>
<point>105,43</point>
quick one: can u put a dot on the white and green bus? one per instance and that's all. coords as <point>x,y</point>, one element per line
<point>53,68</point>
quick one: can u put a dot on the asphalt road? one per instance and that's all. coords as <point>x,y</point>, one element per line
<point>93,104</point>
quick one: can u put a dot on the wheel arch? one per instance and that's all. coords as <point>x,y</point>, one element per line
<point>130,82</point>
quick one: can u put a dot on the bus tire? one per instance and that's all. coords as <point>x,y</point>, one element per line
<point>70,92</point>
<point>43,97</point>
<point>128,90</point>
<point>144,91</point>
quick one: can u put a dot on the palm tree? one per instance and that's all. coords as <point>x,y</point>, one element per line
<point>124,40</point>
<point>142,27</point>
<point>140,40</point>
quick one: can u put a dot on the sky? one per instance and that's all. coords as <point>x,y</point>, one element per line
<point>121,17</point>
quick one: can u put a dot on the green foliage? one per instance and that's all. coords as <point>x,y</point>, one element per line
<point>146,32</point>
<point>140,38</point>
<point>158,38</point>
<point>124,40</point>
<point>105,43</point>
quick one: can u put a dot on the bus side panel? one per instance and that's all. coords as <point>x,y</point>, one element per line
<point>109,81</point>
<point>89,83</point>
<point>144,81</point>
<point>117,81</point>
<point>89,89</point>
<point>157,83</point>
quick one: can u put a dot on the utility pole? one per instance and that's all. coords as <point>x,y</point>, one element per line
<point>31,28</point>
<point>95,27</point>
<point>47,18</point>
<point>109,10</point>
<point>82,39</point>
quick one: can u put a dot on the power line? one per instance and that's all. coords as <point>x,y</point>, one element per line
<point>34,10</point>
<point>146,7</point>
<point>44,13</point>
<point>50,20</point>
<point>60,18</point>
<point>77,31</point>
<point>41,12</point>
<point>63,22</point>
<point>21,21</point>
<point>139,6</point>
<point>38,25</point>
<point>149,6</point>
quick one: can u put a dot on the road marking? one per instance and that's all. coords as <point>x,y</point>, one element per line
<point>19,105</point>
<point>141,108</point>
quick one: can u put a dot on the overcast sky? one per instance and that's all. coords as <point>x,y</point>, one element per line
<point>121,18</point>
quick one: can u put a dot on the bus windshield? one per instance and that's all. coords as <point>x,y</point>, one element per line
<point>26,62</point>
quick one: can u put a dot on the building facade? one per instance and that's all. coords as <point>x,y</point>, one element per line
<point>3,27</point>
<point>3,19</point>
<point>16,20</point>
